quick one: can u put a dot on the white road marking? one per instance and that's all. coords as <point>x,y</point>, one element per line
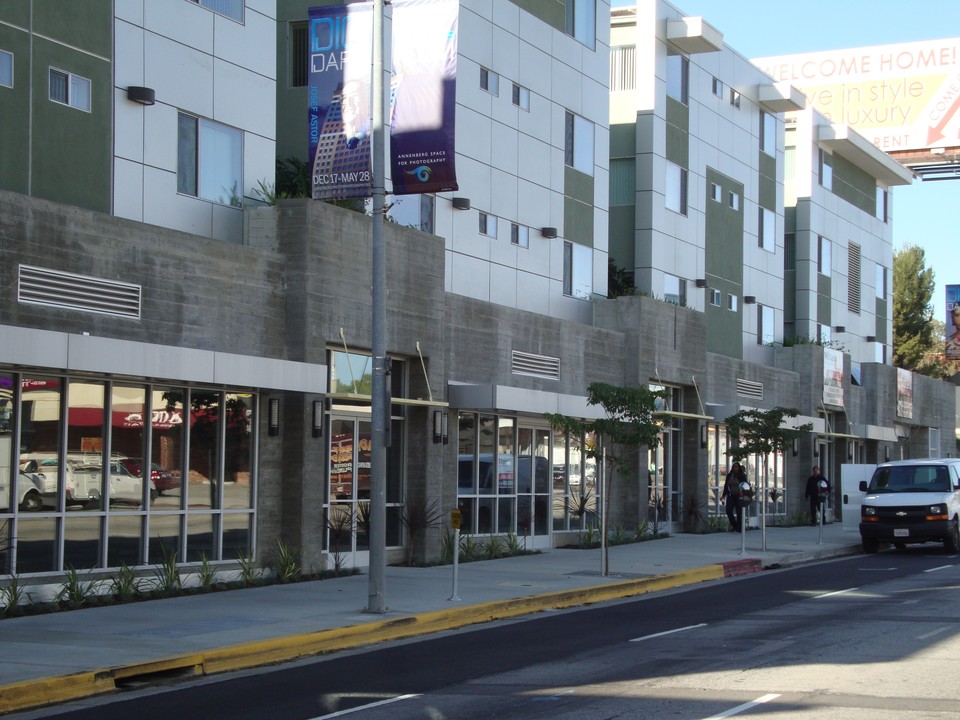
<point>930,634</point>
<point>837,592</point>
<point>942,567</point>
<point>746,706</point>
<point>668,632</point>
<point>343,713</point>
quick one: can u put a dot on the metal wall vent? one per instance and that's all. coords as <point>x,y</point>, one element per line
<point>43,286</point>
<point>750,389</point>
<point>537,365</point>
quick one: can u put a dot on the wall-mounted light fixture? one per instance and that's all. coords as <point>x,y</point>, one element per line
<point>886,453</point>
<point>317,425</point>
<point>871,338</point>
<point>142,95</point>
<point>703,436</point>
<point>548,232</point>
<point>816,446</point>
<point>273,416</point>
<point>749,299</point>
<point>796,446</point>
<point>701,282</point>
<point>839,328</point>
<point>849,449</point>
<point>440,427</point>
<point>461,203</point>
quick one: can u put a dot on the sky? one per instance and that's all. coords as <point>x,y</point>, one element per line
<point>924,214</point>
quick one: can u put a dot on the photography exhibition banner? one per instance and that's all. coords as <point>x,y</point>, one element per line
<point>952,322</point>
<point>422,97</point>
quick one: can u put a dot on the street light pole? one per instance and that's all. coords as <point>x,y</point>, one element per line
<point>376,602</point>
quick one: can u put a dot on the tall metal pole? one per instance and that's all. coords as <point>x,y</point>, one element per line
<point>376,602</point>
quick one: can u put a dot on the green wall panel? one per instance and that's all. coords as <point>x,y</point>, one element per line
<point>623,140</point>
<point>83,24</point>
<point>723,259</point>
<point>854,185</point>
<point>14,113</point>
<point>824,289</point>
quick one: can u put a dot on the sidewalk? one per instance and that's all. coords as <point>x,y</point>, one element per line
<point>68,655</point>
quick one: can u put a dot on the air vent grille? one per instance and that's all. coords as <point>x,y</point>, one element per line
<point>43,286</point>
<point>541,366</point>
<point>749,389</point>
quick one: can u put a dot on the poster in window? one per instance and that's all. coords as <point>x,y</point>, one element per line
<point>419,110</point>
<point>952,322</point>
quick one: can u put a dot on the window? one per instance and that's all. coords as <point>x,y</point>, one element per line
<point>826,170</point>
<point>232,9</point>
<point>209,160</point>
<point>716,192</point>
<point>765,329</point>
<point>733,302</point>
<point>853,278</point>
<point>577,270</point>
<point>768,133</point>
<point>824,256</point>
<point>676,188</point>
<point>734,201</point>
<point>578,143</point>
<point>674,290</point>
<point>824,333</point>
<point>488,224</point>
<point>521,97</point>
<point>881,286</point>
<point>70,89</point>
<point>718,87</point>
<point>298,54</point>
<point>581,21</point>
<point>520,235</point>
<point>6,69</point>
<point>714,297</point>
<point>789,252</point>
<point>881,194</point>
<point>767,230</point>
<point>880,353</point>
<point>735,98</point>
<point>489,81</point>
<point>678,72</point>
<point>623,68</point>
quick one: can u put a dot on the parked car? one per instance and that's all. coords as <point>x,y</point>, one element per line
<point>29,489</point>
<point>85,485</point>
<point>162,478</point>
<point>912,501</point>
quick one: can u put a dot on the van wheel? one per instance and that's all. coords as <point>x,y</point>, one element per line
<point>31,502</point>
<point>951,543</point>
<point>871,545</point>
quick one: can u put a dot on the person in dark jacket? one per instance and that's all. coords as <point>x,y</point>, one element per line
<point>730,496</point>
<point>817,491</point>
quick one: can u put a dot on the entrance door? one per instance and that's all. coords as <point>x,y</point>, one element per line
<point>533,486</point>
<point>348,492</point>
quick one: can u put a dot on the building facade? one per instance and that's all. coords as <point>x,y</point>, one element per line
<point>226,348</point>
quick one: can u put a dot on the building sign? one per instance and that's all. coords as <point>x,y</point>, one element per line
<point>904,393</point>
<point>422,97</point>
<point>903,97</point>
<point>952,322</point>
<point>832,377</point>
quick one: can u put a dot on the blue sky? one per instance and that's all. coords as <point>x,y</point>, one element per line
<point>924,214</point>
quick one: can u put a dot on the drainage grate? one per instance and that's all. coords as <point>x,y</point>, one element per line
<point>542,366</point>
<point>750,389</point>
<point>43,286</point>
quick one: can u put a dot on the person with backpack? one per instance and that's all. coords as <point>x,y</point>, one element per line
<point>817,491</point>
<point>730,496</point>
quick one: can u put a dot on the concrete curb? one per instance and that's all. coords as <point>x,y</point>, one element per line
<point>31,694</point>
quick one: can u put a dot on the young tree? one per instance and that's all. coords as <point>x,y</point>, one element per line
<point>761,432</point>
<point>917,345</point>
<point>629,424</point>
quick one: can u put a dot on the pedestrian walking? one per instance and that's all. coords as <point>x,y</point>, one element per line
<point>817,491</point>
<point>730,496</point>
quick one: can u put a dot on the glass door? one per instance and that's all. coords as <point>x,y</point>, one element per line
<point>348,492</point>
<point>533,486</point>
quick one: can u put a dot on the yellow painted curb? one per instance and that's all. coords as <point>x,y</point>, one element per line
<point>47,691</point>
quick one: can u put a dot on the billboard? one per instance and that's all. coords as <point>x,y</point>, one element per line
<point>952,322</point>
<point>832,377</point>
<point>902,97</point>
<point>422,97</point>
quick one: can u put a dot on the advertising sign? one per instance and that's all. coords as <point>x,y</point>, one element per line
<point>952,322</point>
<point>901,97</point>
<point>832,377</point>
<point>422,97</point>
<point>904,393</point>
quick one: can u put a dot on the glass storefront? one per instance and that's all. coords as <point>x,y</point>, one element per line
<point>126,474</point>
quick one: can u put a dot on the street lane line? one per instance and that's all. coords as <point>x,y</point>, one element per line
<point>668,632</point>
<point>836,592</point>
<point>942,567</point>
<point>746,706</point>
<point>351,711</point>
<point>930,634</point>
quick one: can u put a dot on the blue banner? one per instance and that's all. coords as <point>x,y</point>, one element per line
<point>422,98</point>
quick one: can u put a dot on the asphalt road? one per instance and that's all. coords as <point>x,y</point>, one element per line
<point>866,637</point>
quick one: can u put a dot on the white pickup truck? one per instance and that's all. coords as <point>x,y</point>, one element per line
<point>85,485</point>
<point>912,501</point>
